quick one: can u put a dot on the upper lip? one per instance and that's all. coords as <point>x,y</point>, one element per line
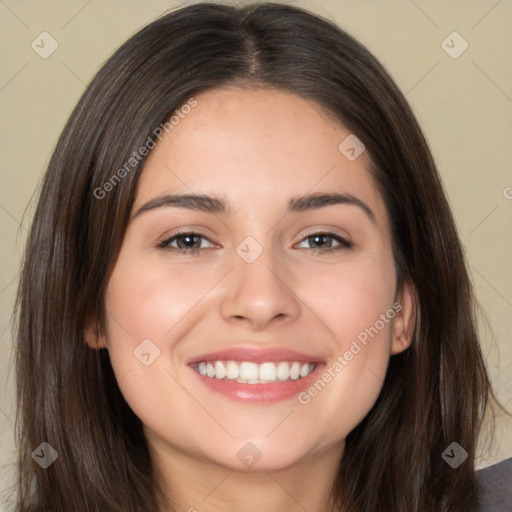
<point>255,355</point>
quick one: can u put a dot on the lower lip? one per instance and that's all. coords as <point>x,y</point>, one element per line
<point>273,392</point>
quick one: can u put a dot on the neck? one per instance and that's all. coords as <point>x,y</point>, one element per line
<point>200,485</point>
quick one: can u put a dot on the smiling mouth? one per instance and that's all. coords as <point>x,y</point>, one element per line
<point>248,372</point>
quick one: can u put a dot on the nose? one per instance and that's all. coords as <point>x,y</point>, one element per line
<point>259,293</point>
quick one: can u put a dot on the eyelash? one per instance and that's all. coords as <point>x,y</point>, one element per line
<point>343,243</point>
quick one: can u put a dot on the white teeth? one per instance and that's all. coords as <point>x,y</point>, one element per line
<point>295,371</point>
<point>283,371</point>
<point>253,373</point>
<point>304,370</point>
<point>220,370</point>
<point>233,370</point>
<point>268,371</point>
<point>249,371</point>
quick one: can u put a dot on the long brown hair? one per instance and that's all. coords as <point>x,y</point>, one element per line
<point>434,393</point>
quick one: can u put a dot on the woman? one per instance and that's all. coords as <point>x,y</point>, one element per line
<point>243,287</point>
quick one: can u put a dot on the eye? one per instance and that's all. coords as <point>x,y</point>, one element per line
<point>325,242</point>
<point>188,242</point>
<point>192,243</point>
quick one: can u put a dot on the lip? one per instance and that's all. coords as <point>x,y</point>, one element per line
<point>250,393</point>
<point>256,355</point>
<point>272,392</point>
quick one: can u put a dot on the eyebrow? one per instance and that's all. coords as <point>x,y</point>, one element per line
<point>210,204</point>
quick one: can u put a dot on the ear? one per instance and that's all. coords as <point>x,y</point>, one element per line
<point>405,319</point>
<point>94,335</point>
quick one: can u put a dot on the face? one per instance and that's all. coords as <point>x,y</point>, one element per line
<point>281,276</point>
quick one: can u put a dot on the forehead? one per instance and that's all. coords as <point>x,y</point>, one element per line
<point>256,148</point>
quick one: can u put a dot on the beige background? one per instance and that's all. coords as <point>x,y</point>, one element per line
<point>464,106</point>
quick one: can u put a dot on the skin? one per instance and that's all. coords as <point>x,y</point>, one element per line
<point>256,149</point>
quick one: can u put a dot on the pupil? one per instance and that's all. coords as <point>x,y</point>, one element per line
<point>320,239</point>
<point>187,241</point>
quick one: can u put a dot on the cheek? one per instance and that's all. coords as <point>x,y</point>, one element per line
<point>347,389</point>
<point>349,298</point>
<point>150,307</point>
<point>149,301</point>
<point>355,303</point>
<point>145,305</point>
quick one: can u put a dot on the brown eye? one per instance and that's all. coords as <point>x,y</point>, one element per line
<point>326,242</point>
<point>184,242</point>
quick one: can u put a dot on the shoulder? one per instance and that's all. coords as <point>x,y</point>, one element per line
<point>495,487</point>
